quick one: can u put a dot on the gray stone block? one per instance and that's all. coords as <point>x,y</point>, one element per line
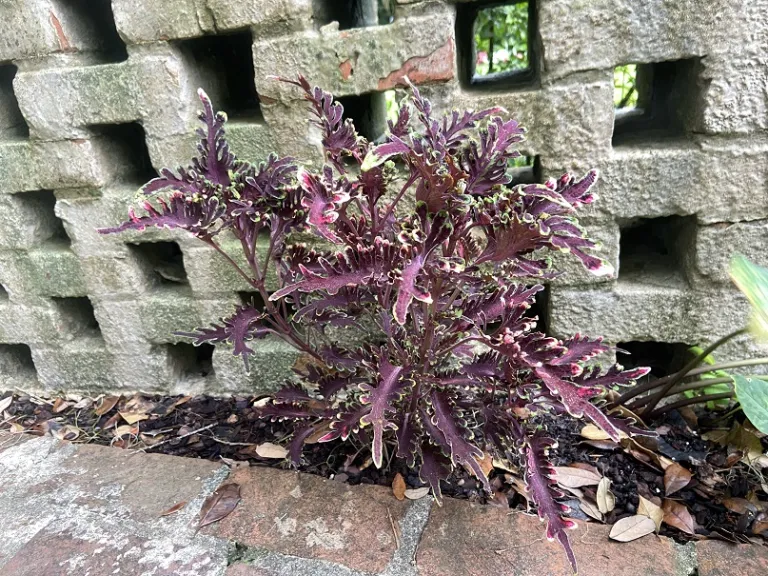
<point>580,35</point>
<point>142,21</point>
<point>359,60</point>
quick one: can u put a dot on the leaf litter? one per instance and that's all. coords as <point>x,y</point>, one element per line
<point>680,484</point>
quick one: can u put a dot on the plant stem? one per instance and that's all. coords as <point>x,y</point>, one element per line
<point>391,207</point>
<point>688,401</point>
<point>677,376</point>
<point>695,385</point>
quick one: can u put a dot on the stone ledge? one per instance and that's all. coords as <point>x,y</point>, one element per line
<point>68,510</point>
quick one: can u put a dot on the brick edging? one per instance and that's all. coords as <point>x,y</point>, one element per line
<point>60,502</point>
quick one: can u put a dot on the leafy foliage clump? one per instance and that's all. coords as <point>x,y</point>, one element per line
<point>433,252</point>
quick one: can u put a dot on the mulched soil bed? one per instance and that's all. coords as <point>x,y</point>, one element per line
<point>726,496</point>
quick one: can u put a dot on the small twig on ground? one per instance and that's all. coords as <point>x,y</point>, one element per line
<point>394,529</point>
<point>177,437</point>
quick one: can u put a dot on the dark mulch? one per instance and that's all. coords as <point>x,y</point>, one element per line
<point>228,429</point>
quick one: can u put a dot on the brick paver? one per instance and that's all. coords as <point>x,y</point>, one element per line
<point>465,540</point>
<point>74,510</point>
<point>312,517</point>
<point>723,559</point>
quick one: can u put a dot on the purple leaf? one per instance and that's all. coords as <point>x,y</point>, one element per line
<point>238,329</point>
<point>538,473</point>
<point>462,452</point>
<point>381,399</point>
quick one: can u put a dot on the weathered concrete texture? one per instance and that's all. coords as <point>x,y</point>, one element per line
<point>72,70</point>
<point>68,510</point>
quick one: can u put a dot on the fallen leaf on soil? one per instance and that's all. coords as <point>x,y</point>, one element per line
<point>6,402</point>
<point>83,404</point>
<point>235,464</point>
<point>106,405</point>
<point>601,444</point>
<point>677,516</point>
<point>742,440</point>
<point>173,509</point>
<point>676,478</point>
<point>654,512</point>
<point>59,405</point>
<point>590,510</point>
<point>575,477</point>
<point>269,450</point>
<point>67,432</point>
<point>219,504</point>
<point>631,528</point>
<point>644,454</point>
<point>398,486</point>
<point>584,466</point>
<point>606,501</point>
<point>486,463</point>
<point>739,505</point>
<point>133,417</point>
<point>760,526</point>
<point>125,429</point>
<point>416,493</point>
<point>592,432</point>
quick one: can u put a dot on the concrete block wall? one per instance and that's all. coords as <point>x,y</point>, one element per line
<point>95,96</point>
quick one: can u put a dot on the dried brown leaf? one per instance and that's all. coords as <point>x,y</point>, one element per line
<point>601,444</point>
<point>571,477</point>
<point>590,510</point>
<point>5,403</point>
<point>106,404</point>
<point>173,509</point>
<point>677,516</point>
<point>398,486</point>
<point>133,417</point>
<point>592,432</point>
<point>676,477</point>
<point>67,432</point>
<point>219,504</point>
<point>654,512</point>
<point>486,463</point>
<point>631,528</point>
<point>272,451</point>
<point>739,505</point>
<point>416,493</point>
<point>59,405</point>
<point>606,501</point>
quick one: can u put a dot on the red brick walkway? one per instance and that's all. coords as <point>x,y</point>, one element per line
<point>69,510</point>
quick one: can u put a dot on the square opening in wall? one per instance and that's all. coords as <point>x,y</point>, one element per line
<point>663,358</point>
<point>163,263</point>
<point>353,13</point>
<point>368,112</point>
<point>654,250</point>
<point>540,309</point>
<point>96,20</point>
<point>12,123</point>
<point>190,362</point>
<point>654,101</point>
<point>39,207</point>
<point>225,65</point>
<point>129,144</point>
<point>525,170</point>
<point>77,317</point>
<point>495,43</point>
<point>16,365</point>
<point>251,299</point>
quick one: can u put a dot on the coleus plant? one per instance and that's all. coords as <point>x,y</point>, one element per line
<point>435,254</point>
